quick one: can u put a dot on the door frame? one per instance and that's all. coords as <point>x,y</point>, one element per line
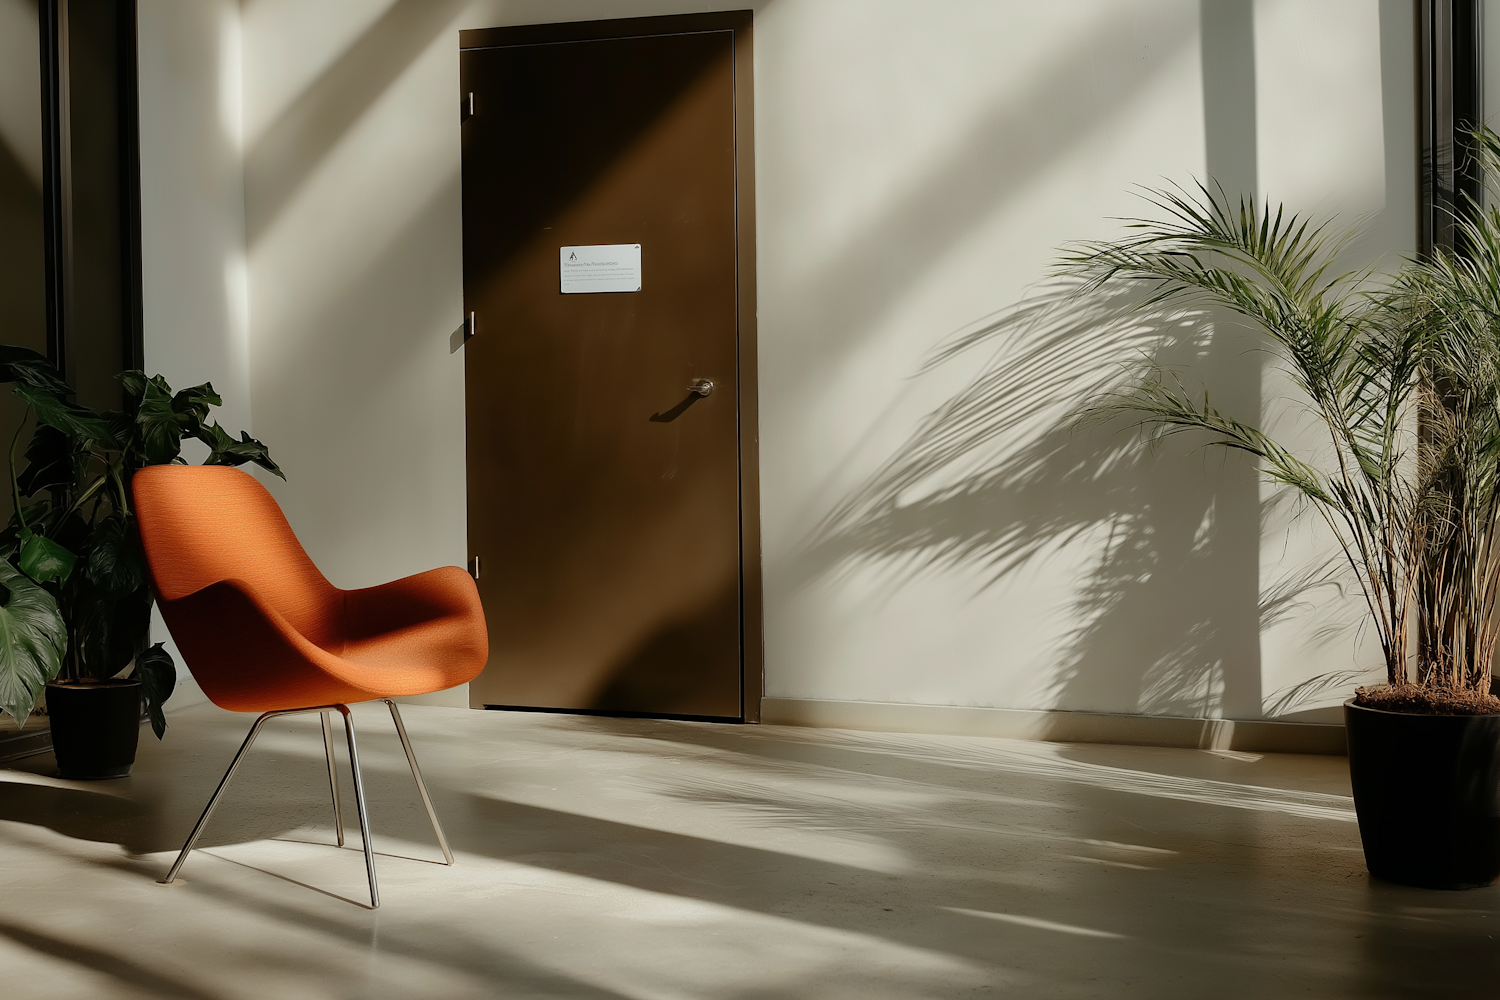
<point>740,22</point>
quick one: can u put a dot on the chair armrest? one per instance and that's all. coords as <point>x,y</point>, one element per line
<point>242,651</point>
<point>415,635</point>
<point>443,593</point>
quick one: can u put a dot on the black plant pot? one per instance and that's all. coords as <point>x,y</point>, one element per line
<point>95,727</point>
<point>1427,791</point>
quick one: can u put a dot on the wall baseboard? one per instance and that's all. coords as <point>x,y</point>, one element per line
<point>454,697</point>
<point>1253,736</point>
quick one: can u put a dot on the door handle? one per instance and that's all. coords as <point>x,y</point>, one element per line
<point>702,387</point>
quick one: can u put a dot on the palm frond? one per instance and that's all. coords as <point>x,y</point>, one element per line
<point>1354,349</point>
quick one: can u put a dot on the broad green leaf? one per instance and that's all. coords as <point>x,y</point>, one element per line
<point>49,459</point>
<point>44,560</point>
<point>192,404</point>
<point>33,639</point>
<point>70,418</point>
<point>158,676</point>
<point>121,425</point>
<point>78,462</point>
<point>161,433</point>
<point>21,364</point>
<point>217,439</point>
<point>225,450</point>
<point>134,382</point>
<point>21,356</point>
<point>10,542</point>
<point>163,419</point>
<point>10,538</point>
<point>110,625</point>
<point>115,563</point>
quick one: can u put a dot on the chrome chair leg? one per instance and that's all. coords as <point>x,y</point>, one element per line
<point>359,787</point>
<point>416,773</point>
<point>333,775</point>
<point>223,784</point>
<point>359,802</point>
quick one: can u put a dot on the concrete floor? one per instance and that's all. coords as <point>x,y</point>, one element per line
<point>617,858</point>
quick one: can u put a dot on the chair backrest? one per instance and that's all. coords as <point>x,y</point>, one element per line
<point>201,524</point>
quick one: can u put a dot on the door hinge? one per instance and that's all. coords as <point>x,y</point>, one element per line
<point>474,567</point>
<point>467,111</point>
<point>471,325</point>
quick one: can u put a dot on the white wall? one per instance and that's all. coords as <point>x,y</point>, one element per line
<point>918,163</point>
<point>192,199</point>
<point>950,149</point>
<point>352,210</point>
<point>1353,156</point>
<point>196,307</point>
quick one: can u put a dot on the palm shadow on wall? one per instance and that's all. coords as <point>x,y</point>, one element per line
<point>1006,476</point>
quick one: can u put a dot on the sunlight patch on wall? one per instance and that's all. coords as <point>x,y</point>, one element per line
<point>237,306</point>
<point>355,202</point>
<point>291,61</point>
<point>1336,120</point>
<point>1319,105</point>
<point>231,80</point>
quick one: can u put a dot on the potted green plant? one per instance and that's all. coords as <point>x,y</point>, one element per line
<point>1401,373</point>
<point>75,599</point>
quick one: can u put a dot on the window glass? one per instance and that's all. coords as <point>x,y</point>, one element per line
<point>22,276</point>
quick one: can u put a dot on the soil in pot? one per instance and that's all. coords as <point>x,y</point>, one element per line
<point>1427,791</point>
<point>95,726</point>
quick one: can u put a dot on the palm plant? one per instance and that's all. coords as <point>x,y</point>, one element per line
<point>1455,302</point>
<point>1402,373</point>
<point>75,600</point>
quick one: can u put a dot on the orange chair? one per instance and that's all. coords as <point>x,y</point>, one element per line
<point>263,631</point>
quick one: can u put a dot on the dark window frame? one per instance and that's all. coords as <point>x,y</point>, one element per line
<point>1450,76</point>
<point>52,24</point>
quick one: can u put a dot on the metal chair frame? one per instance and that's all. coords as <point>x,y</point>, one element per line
<point>333,783</point>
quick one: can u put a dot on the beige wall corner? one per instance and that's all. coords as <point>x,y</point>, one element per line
<point>192,219</point>
<point>1057,727</point>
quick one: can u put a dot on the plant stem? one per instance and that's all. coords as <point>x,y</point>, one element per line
<point>15,487</point>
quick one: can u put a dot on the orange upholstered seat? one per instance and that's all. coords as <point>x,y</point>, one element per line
<point>262,630</point>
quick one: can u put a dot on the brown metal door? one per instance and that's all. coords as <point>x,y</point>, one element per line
<point>603,494</point>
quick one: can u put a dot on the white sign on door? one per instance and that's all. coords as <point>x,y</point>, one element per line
<point>610,267</point>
